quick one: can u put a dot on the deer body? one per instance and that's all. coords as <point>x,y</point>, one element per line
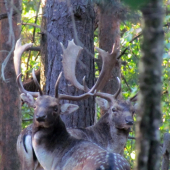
<point>106,136</point>
<point>111,131</point>
<point>25,150</point>
<point>56,149</point>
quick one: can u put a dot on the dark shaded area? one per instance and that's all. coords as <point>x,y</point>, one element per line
<point>29,84</point>
<point>60,16</point>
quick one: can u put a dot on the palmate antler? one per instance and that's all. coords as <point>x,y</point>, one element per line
<point>28,96</point>
<point>70,56</point>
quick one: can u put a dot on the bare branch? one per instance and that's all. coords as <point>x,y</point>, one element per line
<point>5,15</point>
<point>33,38</point>
<point>11,38</point>
<point>126,82</point>
<point>34,48</point>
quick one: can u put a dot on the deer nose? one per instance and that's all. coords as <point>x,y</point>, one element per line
<point>129,120</point>
<point>41,118</point>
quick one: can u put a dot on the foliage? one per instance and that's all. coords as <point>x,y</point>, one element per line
<point>131,38</point>
<point>135,4</point>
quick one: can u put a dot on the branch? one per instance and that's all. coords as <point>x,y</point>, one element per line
<point>11,39</point>
<point>34,48</point>
<point>131,137</point>
<point>25,120</point>
<point>33,38</point>
<point>124,51</point>
<point>5,15</point>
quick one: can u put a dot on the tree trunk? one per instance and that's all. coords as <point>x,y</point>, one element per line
<point>10,115</point>
<point>61,28</point>
<point>148,120</point>
<point>109,33</point>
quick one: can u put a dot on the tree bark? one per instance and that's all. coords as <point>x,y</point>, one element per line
<point>109,34</point>
<point>166,152</point>
<point>148,120</point>
<point>61,28</point>
<point>10,115</point>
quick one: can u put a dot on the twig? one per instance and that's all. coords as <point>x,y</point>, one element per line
<point>124,51</point>
<point>33,37</point>
<point>126,82</point>
<point>37,55</point>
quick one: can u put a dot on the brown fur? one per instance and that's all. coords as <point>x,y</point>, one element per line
<point>57,150</point>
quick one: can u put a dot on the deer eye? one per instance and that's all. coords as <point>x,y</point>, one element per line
<point>56,108</point>
<point>114,109</point>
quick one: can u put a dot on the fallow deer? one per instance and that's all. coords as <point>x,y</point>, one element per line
<point>112,130</point>
<point>24,143</point>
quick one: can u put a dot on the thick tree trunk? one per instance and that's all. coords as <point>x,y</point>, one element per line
<point>44,57</point>
<point>61,28</point>
<point>150,88</point>
<point>10,115</point>
<point>109,33</point>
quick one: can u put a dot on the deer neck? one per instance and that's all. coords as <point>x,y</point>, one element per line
<point>56,132</point>
<point>103,122</point>
<point>118,139</point>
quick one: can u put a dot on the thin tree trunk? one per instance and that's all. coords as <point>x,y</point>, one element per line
<point>61,28</point>
<point>10,115</point>
<point>149,116</point>
<point>166,152</point>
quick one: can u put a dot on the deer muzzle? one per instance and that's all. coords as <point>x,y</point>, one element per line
<point>41,118</point>
<point>129,120</point>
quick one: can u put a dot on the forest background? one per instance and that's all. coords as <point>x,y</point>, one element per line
<point>130,52</point>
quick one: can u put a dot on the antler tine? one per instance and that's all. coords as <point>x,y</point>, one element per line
<point>22,90</point>
<point>19,49</point>
<point>57,84</point>
<point>109,61</point>
<point>119,89</point>
<point>70,56</point>
<point>86,89</point>
<point>108,96</point>
<point>36,82</point>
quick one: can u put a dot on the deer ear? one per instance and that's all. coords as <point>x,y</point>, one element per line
<point>28,99</point>
<point>104,104</point>
<point>68,108</point>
